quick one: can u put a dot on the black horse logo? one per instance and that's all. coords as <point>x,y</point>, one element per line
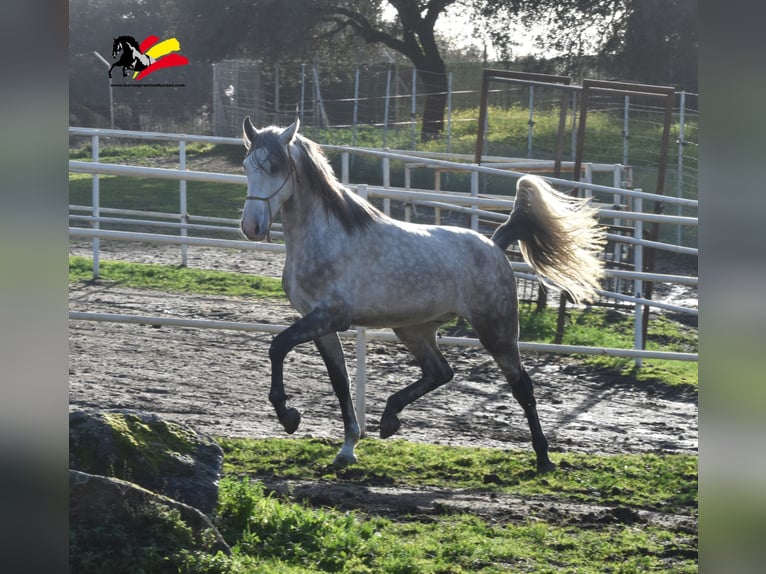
<point>131,57</point>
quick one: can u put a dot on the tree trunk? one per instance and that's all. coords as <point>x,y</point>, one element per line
<point>435,84</point>
<point>435,104</point>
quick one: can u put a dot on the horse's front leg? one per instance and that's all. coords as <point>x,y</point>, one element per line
<point>332,353</point>
<point>317,323</point>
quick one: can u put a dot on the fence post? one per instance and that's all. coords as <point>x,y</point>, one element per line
<point>413,107</point>
<point>474,193</point>
<point>361,357</point>
<point>356,107</point>
<point>344,178</point>
<point>638,264</point>
<point>625,131</point>
<point>573,155</point>
<point>184,211</point>
<point>449,114</point>
<point>531,121</point>
<point>276,93</point>
<point>303,91</point>
<point>95,208</point>
<point>385,111</point>
<point>680,176</point>
<point>386,166</point>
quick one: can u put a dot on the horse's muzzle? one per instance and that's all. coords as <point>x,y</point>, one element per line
<point>256,220</point>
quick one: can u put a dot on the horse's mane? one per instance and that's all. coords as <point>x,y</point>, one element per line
<point>129,40</point>
<point>316,173</point>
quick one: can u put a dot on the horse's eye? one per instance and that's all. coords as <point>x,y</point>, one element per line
<point>273,168</point>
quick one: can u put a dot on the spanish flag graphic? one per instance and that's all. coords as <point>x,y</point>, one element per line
<point>162,54</point>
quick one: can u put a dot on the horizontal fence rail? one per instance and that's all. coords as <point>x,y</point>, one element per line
<point>374,335</point>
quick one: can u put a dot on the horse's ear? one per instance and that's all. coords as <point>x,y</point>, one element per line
<point>249,133</point>
<point>288,134</point>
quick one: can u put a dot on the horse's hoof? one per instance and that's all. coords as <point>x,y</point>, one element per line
<point>344,459</point>
<point>545,467</point>
<point>389,425</point>
<point>291,420</point>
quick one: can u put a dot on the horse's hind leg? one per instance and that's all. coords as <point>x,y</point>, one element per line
<point>501,342</point>
<point>421,341</point>
<point>332,353</point>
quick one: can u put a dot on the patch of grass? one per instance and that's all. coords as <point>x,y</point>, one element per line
<point>139,193</point>
<point>171,278</point>
<point>153,538</point>
<point>609,328</point>
<point>288,536</point>
<point>599,327</point>
<point>139,151</point>
<point>666,483</point>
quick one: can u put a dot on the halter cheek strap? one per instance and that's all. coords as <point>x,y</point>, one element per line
<point>268,198</point>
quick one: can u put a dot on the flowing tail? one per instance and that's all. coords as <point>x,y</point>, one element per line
<point>558,236</point>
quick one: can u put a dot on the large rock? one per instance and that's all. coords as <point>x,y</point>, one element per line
<point>117,526</point>
<point>164,457</point>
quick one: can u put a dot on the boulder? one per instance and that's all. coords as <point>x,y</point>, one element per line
<point>165,457</point>
<point>118,526</point>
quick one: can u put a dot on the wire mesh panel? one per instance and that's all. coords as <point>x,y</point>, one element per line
<point>236,93</point>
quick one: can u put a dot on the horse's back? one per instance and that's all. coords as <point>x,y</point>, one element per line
<point>424,271</point>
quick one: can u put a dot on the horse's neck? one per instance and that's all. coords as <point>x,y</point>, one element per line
<point>305,220</point>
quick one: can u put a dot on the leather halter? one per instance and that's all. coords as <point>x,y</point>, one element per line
<point>268,198</point>
<point>284,183</point>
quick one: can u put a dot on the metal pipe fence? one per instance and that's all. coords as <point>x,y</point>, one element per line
<point>471,203</point>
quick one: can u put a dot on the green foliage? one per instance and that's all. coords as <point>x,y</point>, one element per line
<point>155,540</point>
<point>261,525</point>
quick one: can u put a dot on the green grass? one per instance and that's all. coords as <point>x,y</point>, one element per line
<point>270,534</point>
<point>287,535</point>
<point>599,327</point>
<point>138,193</point>
<point>171,278</point>
<point>663,483</point>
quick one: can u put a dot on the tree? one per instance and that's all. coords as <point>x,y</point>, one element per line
<point>412,35</point>
<point>656,44</point>
<point>650,41</point>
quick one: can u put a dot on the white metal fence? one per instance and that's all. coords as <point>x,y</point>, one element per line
<point>478,207</point>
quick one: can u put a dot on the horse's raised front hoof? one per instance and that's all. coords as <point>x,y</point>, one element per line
<point>545,467</point>
<point>291,420</point>
<point>389,424</point>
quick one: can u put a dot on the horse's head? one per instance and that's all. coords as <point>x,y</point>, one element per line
<point>270,176</point>
<point>116,47</point>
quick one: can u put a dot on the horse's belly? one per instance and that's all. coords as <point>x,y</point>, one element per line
<point>399,308</point>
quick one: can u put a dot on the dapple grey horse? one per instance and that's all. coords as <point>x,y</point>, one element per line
<point>347,264</point>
